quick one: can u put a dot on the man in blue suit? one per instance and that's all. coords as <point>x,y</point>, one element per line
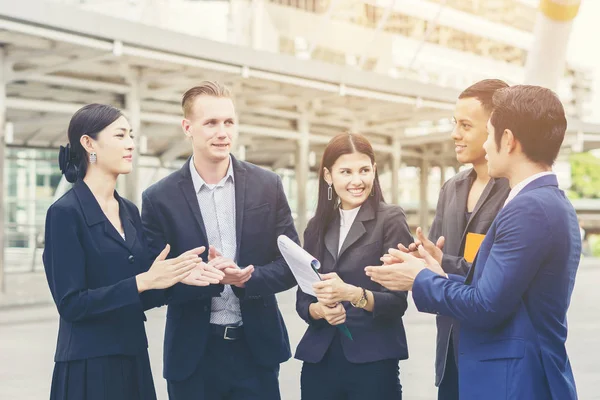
<point>223,341</point>
<point>512,305</point>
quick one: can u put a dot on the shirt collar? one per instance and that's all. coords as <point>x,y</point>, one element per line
<point>521,185</point>
<point>199,183</point>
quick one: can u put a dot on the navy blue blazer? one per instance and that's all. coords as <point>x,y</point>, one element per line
<point>513,304</point>
<point>378,335</point>
<point>171,214</point>
<point>91,273</point>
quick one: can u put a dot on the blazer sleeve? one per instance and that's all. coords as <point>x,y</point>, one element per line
<point>303,302</point>
<point>396,230</point>
<point>276,276</point>
<point>455,265</point>
<point>519,249</point>
<point>155,240</point>
<point>65,265</point>
<point>155,297</point>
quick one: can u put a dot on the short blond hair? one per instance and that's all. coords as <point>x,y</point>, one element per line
<point>205,88</point>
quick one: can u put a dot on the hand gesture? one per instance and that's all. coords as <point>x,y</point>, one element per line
<point>401,275</point>
<point>333,315</point>
<point>435,250</point>
<point>165,273</point>
<point>233,275</point>
<point>203,275</point>
<point>332,290</point>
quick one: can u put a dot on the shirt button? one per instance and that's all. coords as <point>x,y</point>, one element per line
<point>131,259</point>
<point>205,308</point>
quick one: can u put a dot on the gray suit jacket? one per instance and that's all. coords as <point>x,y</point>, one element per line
<point>450,222</point>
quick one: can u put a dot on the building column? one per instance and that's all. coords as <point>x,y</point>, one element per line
<point>2,166</point>
<point>133,110</point>
<point>442,175</point>
<point>546,58</point>
<point>423,203</point>
<point>302,169</point>
<point>396,165</point>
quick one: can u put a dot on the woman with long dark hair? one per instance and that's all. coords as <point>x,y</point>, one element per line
<point>98,269</point>
<point>352,227</point>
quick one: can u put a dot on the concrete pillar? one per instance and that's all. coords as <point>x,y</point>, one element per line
<point>396,164</point>
<point>2,169</point>
<point>423,203</point>
<point>302,169</point>
<point>257,23</point>
<point>442,175</point>
<point>133,110</point>
<point>546,59</point>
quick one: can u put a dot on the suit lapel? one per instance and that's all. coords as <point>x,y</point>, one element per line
<point>462,193</point>
<point>332,237</point>
<point>94,215</point>
<point>358,230</point>
<point>129,228</point>
<point>189,193</point>
<point>239,176</point>
<point>482,199</point>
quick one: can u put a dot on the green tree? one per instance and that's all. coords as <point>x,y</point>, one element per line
<point>585,176</point>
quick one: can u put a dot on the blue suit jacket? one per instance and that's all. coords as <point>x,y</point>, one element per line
<point>171,214</point>
<point>91,273</point>
<point>377,335</point>
<point>513,304</point>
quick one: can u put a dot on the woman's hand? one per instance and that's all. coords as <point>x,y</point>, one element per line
<point>333,315</point>
<point>332,290</point>
<point>203,275</point>
<point>165,273</point>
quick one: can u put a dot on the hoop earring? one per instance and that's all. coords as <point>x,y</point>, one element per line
<point>372,193</point>
<point>93,158</point>
<point>329,193</point>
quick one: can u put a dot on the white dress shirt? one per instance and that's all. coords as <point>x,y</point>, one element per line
<point>521,185</point>
<point>217,205</point>
<point>347,218</point>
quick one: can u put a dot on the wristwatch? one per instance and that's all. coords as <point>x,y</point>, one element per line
<point>362,302</point>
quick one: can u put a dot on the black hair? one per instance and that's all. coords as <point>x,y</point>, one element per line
<point>536,118</point>
<point>88,120</point>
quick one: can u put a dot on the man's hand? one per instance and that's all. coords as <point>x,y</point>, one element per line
<point>332,290</point>
<point>434,249</point>
<point>213,253</point>
<point>401,276</point>
<point>234,275</point>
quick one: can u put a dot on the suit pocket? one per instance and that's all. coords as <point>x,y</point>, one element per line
<point>500,350</point>
<point>256,219</point>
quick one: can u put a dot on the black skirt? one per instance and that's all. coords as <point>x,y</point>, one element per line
<point>118,377</point>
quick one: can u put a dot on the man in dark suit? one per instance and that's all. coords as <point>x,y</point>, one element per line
<point>513,303</point>
<point>226,340</point>
<point>467,205</point>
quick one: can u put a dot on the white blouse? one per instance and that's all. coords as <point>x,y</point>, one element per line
<point>347,217</point>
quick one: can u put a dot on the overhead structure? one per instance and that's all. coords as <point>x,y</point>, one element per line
<point>56,58</point>
<point>546,58</point>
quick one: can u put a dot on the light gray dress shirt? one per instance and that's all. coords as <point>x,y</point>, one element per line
<point>217,205</point>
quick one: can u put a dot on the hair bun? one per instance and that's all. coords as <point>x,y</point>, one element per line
<point>67,163</point>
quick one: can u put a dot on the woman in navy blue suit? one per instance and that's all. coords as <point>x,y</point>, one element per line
<point>352,227</point>
<point>98,268</point>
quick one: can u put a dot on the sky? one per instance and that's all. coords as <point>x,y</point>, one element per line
<point>583,48</point>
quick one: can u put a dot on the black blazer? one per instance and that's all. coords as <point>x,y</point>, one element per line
<point>451,223</point>
<point>170,214</point>
<point>91,273</point>
<point>377,335</point>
